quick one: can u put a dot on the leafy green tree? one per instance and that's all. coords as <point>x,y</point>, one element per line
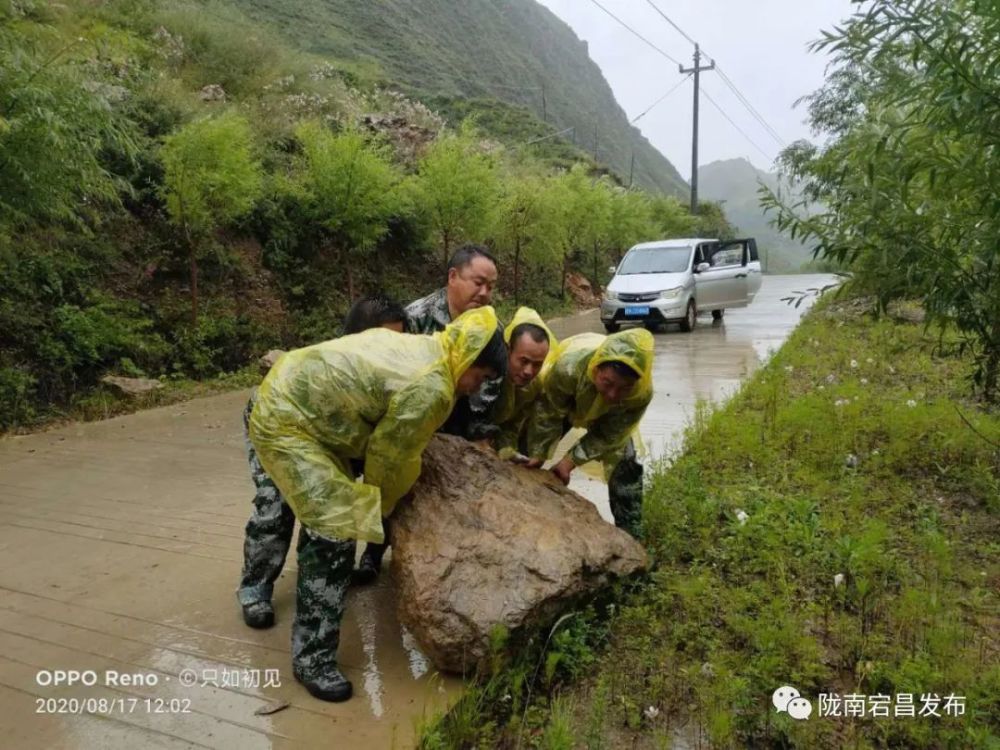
<point>907,182</point>
<point>55,133</point>
<point>670,217</point>
<point>211,177</point>
<point>456,189</point>
<point>711,221</point>
<point>585,212</point>
<point>530,226</point>
<point>630,220</point>
<point>352,189</point>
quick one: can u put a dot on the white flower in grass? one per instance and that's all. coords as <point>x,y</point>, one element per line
<point>892,369</point>
<point>831,378</point>
<point>789,368</point>
<point>822,388</point>
<point>851,462</point>
<point>870,361</point>
<point>741,516</point>
<point>651,712</point>
<point>911,403</point>
<point>838,580</point>
<point>864,381</point>
<point>841,402</point>
<point>854,364</point>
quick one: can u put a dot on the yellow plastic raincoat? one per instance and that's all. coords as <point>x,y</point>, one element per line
<point>377,396</point>
<point>570,394</point>
<point>514,404</point>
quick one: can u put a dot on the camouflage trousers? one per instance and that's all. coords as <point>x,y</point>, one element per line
<point>625,491</point>
<point>325,566</point>
<point>268,532</point>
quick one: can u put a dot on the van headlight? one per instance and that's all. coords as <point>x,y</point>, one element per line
<point>609,295</point>
<point>671,293</point>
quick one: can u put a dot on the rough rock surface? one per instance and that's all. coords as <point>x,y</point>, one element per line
<point>132,386</point>
<point>213,92</point>
<point>266,361</point>
<point>484,542</point>
<point>580,290</point>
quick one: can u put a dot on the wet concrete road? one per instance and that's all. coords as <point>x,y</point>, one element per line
<point>120,550</point>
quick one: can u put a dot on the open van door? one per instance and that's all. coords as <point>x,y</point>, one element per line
<point>747,277</point>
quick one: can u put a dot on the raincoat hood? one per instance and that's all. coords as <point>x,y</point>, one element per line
<point>633,348</point>
<point>527,315</point>
<point>465,337</point>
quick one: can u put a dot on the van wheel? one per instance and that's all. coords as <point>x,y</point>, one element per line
<point>717,314</point>
<point>612,327</point>
<point>690,318</point>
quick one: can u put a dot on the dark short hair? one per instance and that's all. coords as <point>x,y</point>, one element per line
<point>372,312</point>
<point>468,253</point>
<point>621,369</point>
<point>535,332</point>
<point>494,354</point>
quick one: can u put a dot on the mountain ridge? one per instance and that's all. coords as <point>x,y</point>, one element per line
<point>516,51</point>
<point>734,183</point>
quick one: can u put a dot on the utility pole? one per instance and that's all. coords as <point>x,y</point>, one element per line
<point>696,70</point>
<point>631,167</point>
<point>544,113</point>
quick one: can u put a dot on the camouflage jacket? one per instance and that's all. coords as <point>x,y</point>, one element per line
<point>428,314</point>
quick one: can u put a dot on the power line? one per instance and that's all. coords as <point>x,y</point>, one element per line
<point>667,19</point>
<point>672,90</point>
<point>725,79</point>
<point>750,108</point>
<point>636,33</point>
<point>738,128</point>
<point>550,135</point>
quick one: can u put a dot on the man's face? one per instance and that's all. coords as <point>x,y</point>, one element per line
<point>471,286</point>
<point>472,380</point>
<point>614,388</point>
<point>525,359</point>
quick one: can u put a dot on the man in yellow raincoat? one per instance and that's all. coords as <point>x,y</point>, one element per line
<point>603,384</point>
<point>376,396</point>
<point>530,344</point>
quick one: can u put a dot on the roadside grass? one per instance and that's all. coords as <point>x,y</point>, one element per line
<point>833,527</point>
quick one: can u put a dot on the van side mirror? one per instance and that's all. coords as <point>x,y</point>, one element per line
<point>701,267</point>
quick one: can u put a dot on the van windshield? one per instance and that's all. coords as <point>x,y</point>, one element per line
<point>655,260</point>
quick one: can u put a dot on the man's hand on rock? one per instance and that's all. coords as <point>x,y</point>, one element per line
<point>563,469</point>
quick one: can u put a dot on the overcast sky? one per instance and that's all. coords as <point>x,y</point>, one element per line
<point>761,45</point>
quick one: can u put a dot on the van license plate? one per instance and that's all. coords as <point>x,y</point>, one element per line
<point>637,310</point>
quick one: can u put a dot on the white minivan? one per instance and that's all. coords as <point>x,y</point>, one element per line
<point>671,281</point>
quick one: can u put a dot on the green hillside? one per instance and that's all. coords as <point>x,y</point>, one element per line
<point>441,50</point>
<point>183,186</point>
<point>735,183</point>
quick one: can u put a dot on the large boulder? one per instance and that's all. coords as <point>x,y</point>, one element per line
<point>484,542</point>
